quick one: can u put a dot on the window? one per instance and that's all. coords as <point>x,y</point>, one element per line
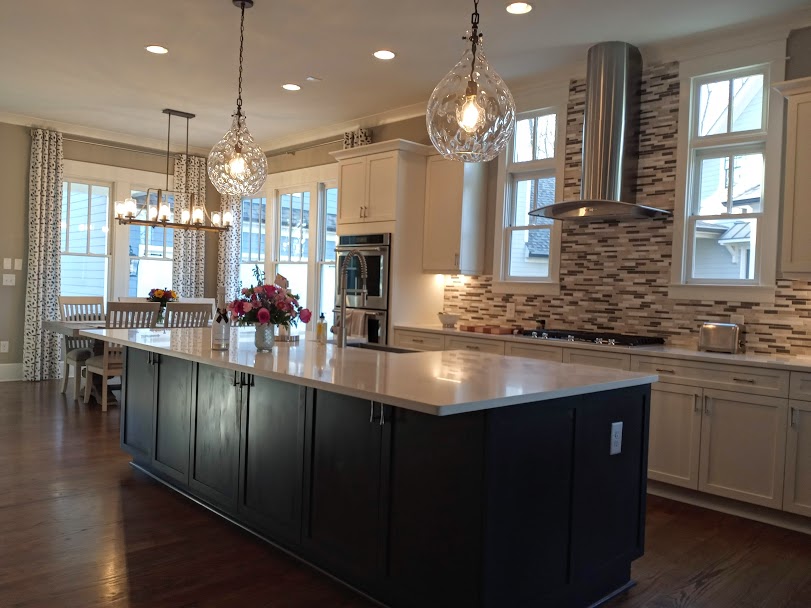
<point>253,238</point>
<point>84,238</point>
<point>292,259</point>
<point>727,152</point>
<point>150,248</point>
<point>527,248</point>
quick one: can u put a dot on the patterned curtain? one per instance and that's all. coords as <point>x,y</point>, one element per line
<point>41,348</point>
<point>189,249</point>
<point>230,249</point>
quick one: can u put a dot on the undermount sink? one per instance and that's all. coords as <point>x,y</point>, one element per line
<point>382,347</point>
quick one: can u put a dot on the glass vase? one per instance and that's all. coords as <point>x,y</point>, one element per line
<point>264,338</point>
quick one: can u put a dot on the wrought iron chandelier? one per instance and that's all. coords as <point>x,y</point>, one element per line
<point>471,113</point>
<point>160,215</point>
<point>236,165</point>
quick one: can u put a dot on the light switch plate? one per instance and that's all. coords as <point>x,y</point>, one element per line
<point>18,264</point>
<point>6,263</point>
<point>616,438</point>
<point>8,280</point>
<point>4,346</point>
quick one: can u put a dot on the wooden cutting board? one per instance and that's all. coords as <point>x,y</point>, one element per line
<point>487,329</point>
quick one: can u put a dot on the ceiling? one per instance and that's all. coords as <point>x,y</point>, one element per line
<point>82,62</point>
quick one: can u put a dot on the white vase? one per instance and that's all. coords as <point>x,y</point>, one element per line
<point>264,338</point>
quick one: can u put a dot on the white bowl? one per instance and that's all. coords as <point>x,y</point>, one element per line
<point>447,319</point>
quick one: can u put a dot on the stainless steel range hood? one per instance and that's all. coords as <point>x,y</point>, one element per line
<point>610,140</point>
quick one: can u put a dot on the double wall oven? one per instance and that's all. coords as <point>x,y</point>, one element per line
<point>373,317</point>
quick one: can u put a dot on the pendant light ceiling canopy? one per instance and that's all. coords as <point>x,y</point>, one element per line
<point>471,113</point>
<point>236,165</point>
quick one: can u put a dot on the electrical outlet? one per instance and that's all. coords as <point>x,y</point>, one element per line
<point>4,346</point>
<point>6,263</point>
<point>8,280</point>
<point>616,438</point>
<point>736,319</point>
<point>511,310</point>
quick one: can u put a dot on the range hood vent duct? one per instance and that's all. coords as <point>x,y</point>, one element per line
<point>610,140</point>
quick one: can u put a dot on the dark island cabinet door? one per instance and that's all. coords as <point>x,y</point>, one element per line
<point>173,403</point>
<point>271,478</point>
<point>345,455</point>
<point>214,470</point>
<point>138,404</point>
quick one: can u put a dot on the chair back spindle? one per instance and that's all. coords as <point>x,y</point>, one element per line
<point>185,314</point>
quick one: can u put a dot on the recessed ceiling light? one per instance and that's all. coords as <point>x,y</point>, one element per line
<point>291,87</point>
<point>157,49</point>
<point>519,8</point>
<point>384,55</point>
<point>313,79</point>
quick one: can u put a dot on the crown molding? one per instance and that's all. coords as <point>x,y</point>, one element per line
<point>726,39</point>
<point>338,129</point>
<point>99,135</point>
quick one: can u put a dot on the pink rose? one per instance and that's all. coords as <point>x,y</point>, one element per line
<point>246,306</point>
<point>245,291</point>
<point>263,316</point>
<point>259,289</point>
<point>305,315</point>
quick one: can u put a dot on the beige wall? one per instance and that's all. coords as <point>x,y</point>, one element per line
<point>15,151</point>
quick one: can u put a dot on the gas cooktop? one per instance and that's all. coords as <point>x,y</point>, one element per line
<point>594,337</point>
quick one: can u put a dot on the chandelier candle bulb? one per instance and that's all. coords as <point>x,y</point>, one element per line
<point>215,218</point>
<point>153,213</point>
<point>197,216</point>
<point>130,208</point>
<point>227,218</point>
<point>163,213</point>
<point>119,209</point>
<point>185,216</point>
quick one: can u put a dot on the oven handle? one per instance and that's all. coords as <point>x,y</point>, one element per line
<point>341,249</point>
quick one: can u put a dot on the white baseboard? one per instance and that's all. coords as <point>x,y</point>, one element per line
<point>765,515</point>
<point>11,372</point>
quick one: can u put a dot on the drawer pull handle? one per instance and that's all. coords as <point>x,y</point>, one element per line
<point>418,340</point>
<point>794,417</point>
<point>664,370</point>
<point>747,380</point>
<point>707,406</point>
<point>471,347</point>
<point>697,404</point>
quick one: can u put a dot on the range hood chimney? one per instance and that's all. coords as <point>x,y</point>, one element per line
<point>610,140</point>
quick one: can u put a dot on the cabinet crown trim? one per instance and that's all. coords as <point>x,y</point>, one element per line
<point>401,145</point>
<point>798,86</point>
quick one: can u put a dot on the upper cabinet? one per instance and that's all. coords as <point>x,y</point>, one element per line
<point>796,249</point>
<point>454,217</point>
<point>375,181</point>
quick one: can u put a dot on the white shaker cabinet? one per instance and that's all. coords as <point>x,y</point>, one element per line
<point>743,447</point>
<point>797,492</point>
<point>796,247</point>
<point>596,358</point>
<point>455,217</point>
<point>675,434</point>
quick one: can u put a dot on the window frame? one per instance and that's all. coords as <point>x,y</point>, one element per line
<point>550,101</point>
<point>768,59</point>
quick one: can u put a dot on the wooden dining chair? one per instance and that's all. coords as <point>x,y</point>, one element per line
<point>210,301</point>
<point>120,315</point>
<point>78,350</point>
<point>185,314</point>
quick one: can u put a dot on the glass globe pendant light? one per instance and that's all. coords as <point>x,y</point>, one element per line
<point>236,165</point>
<point>471,113</point>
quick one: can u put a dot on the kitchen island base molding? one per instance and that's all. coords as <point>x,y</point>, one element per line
<point>512,506</point>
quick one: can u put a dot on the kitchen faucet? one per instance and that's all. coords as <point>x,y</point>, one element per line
<point>364,293</point>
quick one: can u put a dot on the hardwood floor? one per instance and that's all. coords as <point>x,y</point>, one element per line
<point>79,527</point>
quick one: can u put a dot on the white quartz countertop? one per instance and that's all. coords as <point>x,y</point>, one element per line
<point>440,383</point>
<point>784,362</point>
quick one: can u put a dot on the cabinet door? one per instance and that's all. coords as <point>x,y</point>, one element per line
<point>675,434</point>
<point>796,254</point>
<point>743,447</point>
<point>419,341</point>
<point>344,522</point>
<point>381,190</point>
<point>273,457</point>
<point>797,495</point>
<point>351,190</point>
<point>139,404</point>
<point>216,426</point>
<point>173,417</point>
<point>443,215</point>
<point>598,359</point>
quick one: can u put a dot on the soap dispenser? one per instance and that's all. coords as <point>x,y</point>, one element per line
<point>321,330</point>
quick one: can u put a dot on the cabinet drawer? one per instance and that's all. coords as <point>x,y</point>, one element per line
<point>587,357</point>
<point>800,387</point>
<point>418,340</point>
<point>753,380</point>
<point>482,346</point>
<point>532,351</point>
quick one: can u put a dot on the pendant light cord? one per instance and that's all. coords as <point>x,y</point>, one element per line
<point>474,36</point>
<point>241,44</point>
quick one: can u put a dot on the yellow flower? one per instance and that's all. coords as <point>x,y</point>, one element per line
<point>159,293</point>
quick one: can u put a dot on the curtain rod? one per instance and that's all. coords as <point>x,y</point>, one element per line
<point>117,147</point>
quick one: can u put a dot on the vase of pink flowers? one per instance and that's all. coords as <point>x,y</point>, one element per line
<point>266,306</point>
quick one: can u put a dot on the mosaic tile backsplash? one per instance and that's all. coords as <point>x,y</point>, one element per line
<point>615,275</point>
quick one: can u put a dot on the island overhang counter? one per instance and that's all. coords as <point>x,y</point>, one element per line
<point>422,479</point>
